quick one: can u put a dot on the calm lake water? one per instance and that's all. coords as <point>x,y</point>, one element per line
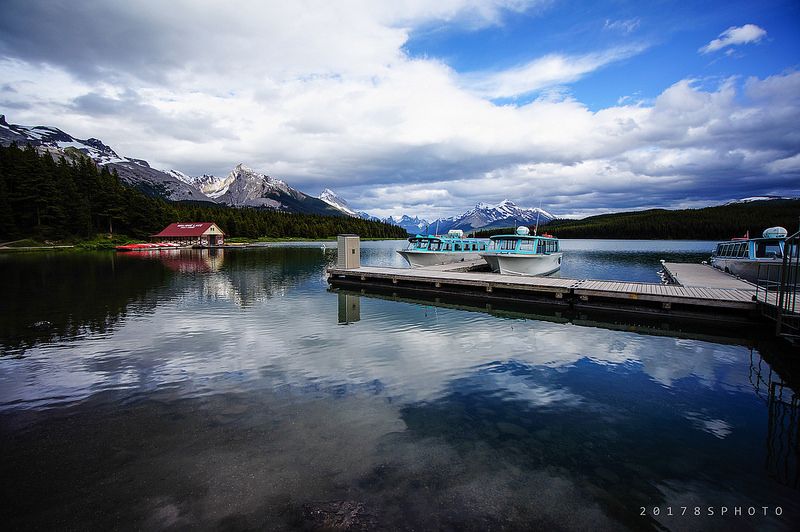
<point>232,390</point>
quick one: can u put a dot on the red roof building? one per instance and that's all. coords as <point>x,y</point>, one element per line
<point>191,233</point>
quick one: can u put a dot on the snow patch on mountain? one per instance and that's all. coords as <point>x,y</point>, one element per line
<point>505,213</point>
<point>412,225</point>
<point>760,198</point>
<point>337,202</point>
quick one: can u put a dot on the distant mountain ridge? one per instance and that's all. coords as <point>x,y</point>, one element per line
<point>242,187</point>
<point>484,216</point>
<point>135,172</point>
<point>245,187</point>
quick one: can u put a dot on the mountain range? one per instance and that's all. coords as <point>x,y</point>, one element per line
<point>482,216</point>
<point>245,187</point>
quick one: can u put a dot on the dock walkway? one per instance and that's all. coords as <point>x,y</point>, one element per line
<point>576,292</point>
<point>703,275</point>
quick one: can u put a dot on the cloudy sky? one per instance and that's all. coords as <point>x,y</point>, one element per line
<point>428,107</point>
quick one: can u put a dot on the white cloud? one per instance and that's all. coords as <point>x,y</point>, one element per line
<point>329,99</point>
<point>547,71</point>
<point>734,36</point>
<point>623,26</point>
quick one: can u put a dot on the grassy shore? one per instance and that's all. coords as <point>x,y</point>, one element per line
<point>106,242</point>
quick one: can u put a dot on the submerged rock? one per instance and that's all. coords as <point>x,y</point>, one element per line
<point>337,515</point>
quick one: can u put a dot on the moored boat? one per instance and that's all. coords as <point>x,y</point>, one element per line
<point>745,256</point>
<point>524,254</point>
<point>431,250</point>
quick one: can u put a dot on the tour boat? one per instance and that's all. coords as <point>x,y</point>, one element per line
<point>523,253</point>
<point>743,256</point>
<point>430,250</point>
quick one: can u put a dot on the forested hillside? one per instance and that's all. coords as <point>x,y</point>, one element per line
<point>72,199</point>
<point>710,223</point>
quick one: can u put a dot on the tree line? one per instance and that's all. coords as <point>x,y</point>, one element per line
<point>710,223</point>
<point>63,199</point>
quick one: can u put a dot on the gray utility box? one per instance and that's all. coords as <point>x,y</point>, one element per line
<point>349,252</point>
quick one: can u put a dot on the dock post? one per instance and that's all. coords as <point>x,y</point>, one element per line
<point>349,252</point>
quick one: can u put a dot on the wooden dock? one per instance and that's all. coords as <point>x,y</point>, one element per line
<point>703,275</point>
<point>638,297</point>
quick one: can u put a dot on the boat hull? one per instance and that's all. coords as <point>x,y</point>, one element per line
<point>748,269</point>
<point>520,264</point>
<point>421,259</point>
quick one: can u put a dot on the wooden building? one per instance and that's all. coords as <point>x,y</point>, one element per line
<point>191,233</point>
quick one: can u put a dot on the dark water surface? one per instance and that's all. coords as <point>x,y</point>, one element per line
<point>218,390</point>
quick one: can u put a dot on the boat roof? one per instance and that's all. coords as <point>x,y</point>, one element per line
<point>761,238</point>
<point>441,238</point>
<point>543,237</point>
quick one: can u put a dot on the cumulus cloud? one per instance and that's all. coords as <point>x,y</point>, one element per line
<point>326,97</point>
<point>734,36</point>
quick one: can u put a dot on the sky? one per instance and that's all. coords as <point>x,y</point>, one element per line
<point>428,107</point>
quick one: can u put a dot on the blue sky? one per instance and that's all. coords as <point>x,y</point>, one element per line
<point>427,108</point>
<point>670,32</point>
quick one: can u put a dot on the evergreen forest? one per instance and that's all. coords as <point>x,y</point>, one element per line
<point>46,199</point>
<point>710,223</point>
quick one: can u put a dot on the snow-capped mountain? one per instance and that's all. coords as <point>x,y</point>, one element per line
<point>411,225</point>
<point>760,198</point>
<point>334,200</point>
<point>367,216</point>
<point>484,216</point>
<point>244,187</point>
<point>210,185</point>
<point>135,172</point>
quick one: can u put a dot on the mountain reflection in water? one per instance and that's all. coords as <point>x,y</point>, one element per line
<point>217,390</point>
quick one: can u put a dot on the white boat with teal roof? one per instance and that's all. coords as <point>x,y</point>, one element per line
<point>523,253</point>
<point>431,250</point>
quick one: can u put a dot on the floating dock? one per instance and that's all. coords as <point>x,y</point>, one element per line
<point>703,275</point>
<point>715,302</point>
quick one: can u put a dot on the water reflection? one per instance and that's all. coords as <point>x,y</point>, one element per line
<point>233,399</point>
<point>783,425</point>
<point>349,308</point>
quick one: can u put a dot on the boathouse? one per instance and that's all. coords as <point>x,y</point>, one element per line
<point>191,233</point>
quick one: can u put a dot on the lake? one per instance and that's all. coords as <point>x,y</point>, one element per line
<point>231,389</point>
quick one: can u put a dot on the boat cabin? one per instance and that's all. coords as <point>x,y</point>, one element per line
<point>524,243</point>
<point>445,244</point>
<point>758,248</point>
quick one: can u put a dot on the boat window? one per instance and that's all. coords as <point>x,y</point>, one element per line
<point>508,245</point>
<point>457,247</point>
<point>423,244</point>
<point>742,250</point>
<point>435,245</point>
<point>526,245</point>
<point>447,247</point>
<point>768,250</point>
<point>726,250</point>
<point>719,250</point>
